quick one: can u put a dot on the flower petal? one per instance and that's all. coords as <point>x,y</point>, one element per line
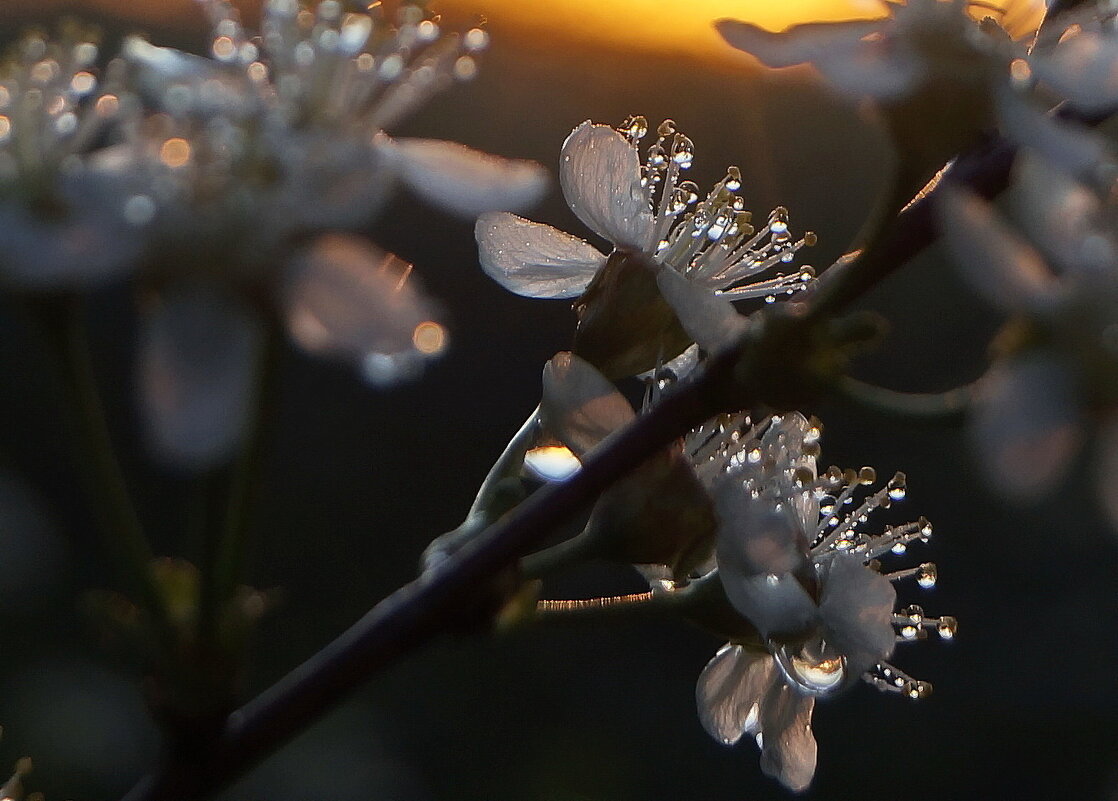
<point>800,44</point>
<point>1060,214</point>
<point>729,691</point>
<point>996,262</point>
<point>773,604</point>
<point>1070,145</point>
<point>196,365</point>
<point>599,170</point>
<point>788,748</point>
<point>1084,69</point>
<point>346,298</point>
<point>754,535</point>
<point>533,259</point>
<point>91,242</point>
<point>850,55</point>
<point>465,181</point>
<point>328,182</point>
<point>710,320</point>
<point>1026,425</point>
<point>580,406</point>
<point>179,83</point>
<point>856,609</point>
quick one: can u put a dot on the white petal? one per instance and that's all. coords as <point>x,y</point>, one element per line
<point>180,83</point>
<point>1070,145</point>
<point>343,297</point>
<point>329,182</point>
<point>1084,69</point>
<point>1106,471</point>
<point>729,690</point>
<point>788,750</point>
<point>580,406</point>
<point>998,264</point>
<point>465,181</point>
<point>1026,425</point>
<point>197,362</point>
<point>754,537</point>
<point>534,259</point>
<point>799,44</point>
<point>856,608</point>
<point>91,242</point>
<point>839,50</point>
<point>599,170</point>
<point>872,68</point>
<point>773,604</point>
<point>1060,214</point>
<point>708,319</point>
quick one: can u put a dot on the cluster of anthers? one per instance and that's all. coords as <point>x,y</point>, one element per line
<point>712,241</point>
<point>50,109</point>
<point>338,66</point>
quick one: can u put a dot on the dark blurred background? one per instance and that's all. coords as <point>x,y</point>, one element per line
<point>359,481</point>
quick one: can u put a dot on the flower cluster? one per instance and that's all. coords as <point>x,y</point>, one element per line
<point>232,187</point>
<point>1053,385</point>
<point>804,603</point>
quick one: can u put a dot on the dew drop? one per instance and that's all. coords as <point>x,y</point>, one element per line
<point>475,39</point>
<point>917,690</point>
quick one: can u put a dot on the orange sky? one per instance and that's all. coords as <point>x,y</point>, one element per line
<point>665,26</point>
<point>684,26</point>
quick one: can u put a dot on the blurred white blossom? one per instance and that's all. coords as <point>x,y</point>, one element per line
<point>260,157</point>
<point>67,215</point>
<point>1055,383</point>
<point>920,41</point>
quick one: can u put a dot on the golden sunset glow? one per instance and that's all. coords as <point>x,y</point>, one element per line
<point>674,27</point>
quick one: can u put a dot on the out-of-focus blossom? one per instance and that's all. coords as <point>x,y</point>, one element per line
<point>68,218</point>
<point>661,231</point>
<point>920,41</point>
<point>806,607</point>
<point>928,65</point>
<point>794,561</point>
<point>1055,383</point>
<point>259,158</point>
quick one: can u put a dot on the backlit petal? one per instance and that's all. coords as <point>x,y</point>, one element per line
<point>465,181</point>
<point>345,298</point>
<point>599,170</point>
<point>534,259</point>
<point>197,362</point>
<point>729,690</point>
<point>580,406</point>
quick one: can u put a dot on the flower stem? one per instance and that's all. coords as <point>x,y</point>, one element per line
<point>948,407</point>
<point>62,323</point>
<point>227,538</point>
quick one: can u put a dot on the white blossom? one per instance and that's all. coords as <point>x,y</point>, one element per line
<point>648,209</point>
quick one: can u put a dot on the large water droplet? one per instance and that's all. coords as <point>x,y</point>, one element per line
<point>813,669</point>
